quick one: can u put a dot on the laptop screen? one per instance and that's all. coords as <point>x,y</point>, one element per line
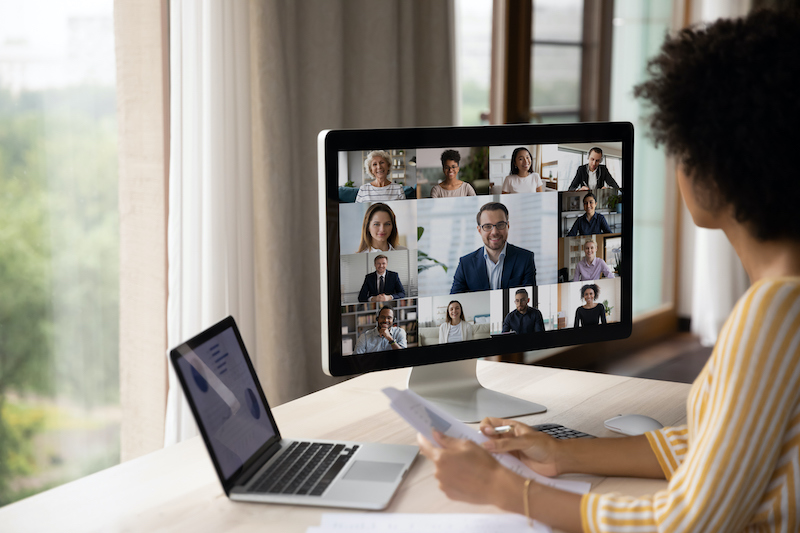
<point>226,400</point>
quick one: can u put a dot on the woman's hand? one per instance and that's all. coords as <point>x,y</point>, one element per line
<point>467,472</point>
<point>536,449</point>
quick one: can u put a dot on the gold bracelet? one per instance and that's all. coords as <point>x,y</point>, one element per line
<point>525,502</point>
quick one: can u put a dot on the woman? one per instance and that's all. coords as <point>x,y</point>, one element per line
<point>591,222</point>
<point>451,186</point>
<point>378,164</point>
<point>733,467</point>
<point>455,328</point>
<point>379,230</point>
<point>590,313</point>
<point>521,178</point>
<point>591,266</point>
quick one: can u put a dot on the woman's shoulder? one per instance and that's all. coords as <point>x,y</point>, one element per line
<point>780,292</point>
<point>767,315</point>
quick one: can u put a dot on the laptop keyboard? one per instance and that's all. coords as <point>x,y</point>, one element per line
<point>304,468</point>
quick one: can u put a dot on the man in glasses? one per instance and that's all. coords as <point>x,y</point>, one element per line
<point>498,264</point>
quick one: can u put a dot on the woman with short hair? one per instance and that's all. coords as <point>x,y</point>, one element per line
<point>591,313</point>
<point>719,90</point>
<point>451,186</point>
<point>378,165</point>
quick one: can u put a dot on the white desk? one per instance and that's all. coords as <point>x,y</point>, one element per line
<point>176,489</point>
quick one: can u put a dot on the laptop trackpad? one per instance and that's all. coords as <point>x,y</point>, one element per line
<point>373,471</point>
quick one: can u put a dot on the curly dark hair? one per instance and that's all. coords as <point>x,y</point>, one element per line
<point>593,287</point>
<point>725,103</point>
<point>451,155</point>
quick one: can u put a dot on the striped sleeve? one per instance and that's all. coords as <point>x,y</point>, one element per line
<point>669,445</point>
<point>743,426</point>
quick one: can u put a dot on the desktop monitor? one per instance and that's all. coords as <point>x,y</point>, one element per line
<point>443,245</point>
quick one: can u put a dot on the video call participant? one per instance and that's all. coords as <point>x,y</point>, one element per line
<point>522,179</point>
<point>733,467</point>
<point>382,285</point>
<point>591,266</point>
<point>523,319</point>
<point>455,327</point>
<point>591,222</point>
<point>385,336</point>
<point>498,264</point>
<point>379,230</point>
<point>593,175</point>
<point>451,186</point>
<point>378,164</point>
<point>590,313</point>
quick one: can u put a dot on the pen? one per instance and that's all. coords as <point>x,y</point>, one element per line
<point>503,429</point>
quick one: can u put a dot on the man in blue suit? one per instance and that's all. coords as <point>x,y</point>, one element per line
<point>382,285</point>
<point>498,265</point>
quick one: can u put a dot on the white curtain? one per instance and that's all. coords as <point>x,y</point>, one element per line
<point>718,276</point>
<point>210,230</point>
<point>243,227</point>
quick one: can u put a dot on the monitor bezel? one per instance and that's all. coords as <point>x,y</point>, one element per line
<point>332,142</point>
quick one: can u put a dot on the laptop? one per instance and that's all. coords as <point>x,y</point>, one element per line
<point>254,462</point>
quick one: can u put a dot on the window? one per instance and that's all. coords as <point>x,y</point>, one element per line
<point>59,318</point>
<point>473,35</point>
<point>557,49</point>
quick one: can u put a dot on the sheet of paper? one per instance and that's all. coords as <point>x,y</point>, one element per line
<point>425,417</point>
<point>426,523</point>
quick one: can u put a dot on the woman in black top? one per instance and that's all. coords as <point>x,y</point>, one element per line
<point>592,313</point>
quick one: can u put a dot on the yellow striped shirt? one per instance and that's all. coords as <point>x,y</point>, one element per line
<point>735,466</point>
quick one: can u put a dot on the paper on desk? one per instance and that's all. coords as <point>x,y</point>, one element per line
<point>425,417</point>
<point>426,523</point>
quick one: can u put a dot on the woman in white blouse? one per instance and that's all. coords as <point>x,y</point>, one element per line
<point>455,328</point>
<point>522,179</point>
<point>378,164</point>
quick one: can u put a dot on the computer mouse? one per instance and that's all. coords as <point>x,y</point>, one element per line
<point>632,424</point>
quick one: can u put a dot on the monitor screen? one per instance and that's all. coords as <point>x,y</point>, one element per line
<point>446,244</point>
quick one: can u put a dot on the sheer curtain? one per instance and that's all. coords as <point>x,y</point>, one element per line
<point>210,229</point>
<point>719,279</point>
<point>243,228</point>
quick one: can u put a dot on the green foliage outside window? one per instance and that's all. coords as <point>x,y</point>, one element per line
<point>59,260</point>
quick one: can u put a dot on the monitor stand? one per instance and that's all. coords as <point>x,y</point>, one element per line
<point>454,387</point>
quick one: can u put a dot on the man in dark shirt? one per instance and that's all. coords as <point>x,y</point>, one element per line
<point>590,222</point>
<point>382,285</point>
<point>523,319</point>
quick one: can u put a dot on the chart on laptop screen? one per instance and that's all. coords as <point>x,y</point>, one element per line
<point>455,244</point>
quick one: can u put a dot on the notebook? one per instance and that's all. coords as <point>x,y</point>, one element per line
<point>254,462</point>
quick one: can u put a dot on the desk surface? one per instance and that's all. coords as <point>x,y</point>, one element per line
<point>176,489</point>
